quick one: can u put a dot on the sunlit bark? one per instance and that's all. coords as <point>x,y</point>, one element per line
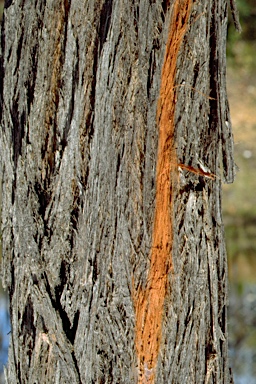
<point>115,138</point>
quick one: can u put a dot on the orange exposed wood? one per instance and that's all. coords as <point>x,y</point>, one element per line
<point>149,302</point>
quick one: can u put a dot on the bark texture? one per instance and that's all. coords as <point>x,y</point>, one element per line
<point>115,136</point>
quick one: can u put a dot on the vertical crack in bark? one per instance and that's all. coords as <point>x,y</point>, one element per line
<point>105,18</point>
<point>58,35</point>
<point>149,302</point>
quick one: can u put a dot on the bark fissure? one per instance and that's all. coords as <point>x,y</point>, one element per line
<point>104,24</point>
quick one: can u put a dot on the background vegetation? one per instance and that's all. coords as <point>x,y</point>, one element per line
<point>239,199</point>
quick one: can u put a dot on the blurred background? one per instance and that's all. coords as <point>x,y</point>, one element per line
<point>239,199</point>
<point>239,203</point>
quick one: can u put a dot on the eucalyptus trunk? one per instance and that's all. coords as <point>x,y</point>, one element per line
<point>115,140</point>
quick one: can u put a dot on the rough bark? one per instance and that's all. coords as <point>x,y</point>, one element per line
<point>113,244</point>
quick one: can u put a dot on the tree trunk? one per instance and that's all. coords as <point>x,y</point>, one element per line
<point>115,136</point>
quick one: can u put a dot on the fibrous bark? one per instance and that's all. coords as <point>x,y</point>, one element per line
<point>115,136</point>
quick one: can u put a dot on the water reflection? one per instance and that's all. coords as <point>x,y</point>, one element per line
<point>4,332</point>
<point>242,332</point>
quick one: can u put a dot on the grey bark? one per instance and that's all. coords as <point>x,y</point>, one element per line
<point>79,138</point>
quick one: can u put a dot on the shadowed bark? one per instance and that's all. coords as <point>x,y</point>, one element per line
<point>115,138</point>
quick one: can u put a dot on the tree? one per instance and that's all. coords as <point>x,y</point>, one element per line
<point>115,135</point>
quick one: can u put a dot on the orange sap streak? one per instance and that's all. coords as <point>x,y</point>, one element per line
<point>149,302</point>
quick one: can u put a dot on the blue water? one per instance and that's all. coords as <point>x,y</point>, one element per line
<point>242,332</point>
<point>4,331</point>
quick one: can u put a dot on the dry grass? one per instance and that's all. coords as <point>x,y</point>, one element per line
<point>239,199</point>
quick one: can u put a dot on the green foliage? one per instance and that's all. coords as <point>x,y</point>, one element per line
<point>244,7</point>
<point>241,47</point>
<point>1,9</point>
<point>247,15</point>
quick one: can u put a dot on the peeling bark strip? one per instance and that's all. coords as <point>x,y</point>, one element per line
<point>150,301</point>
